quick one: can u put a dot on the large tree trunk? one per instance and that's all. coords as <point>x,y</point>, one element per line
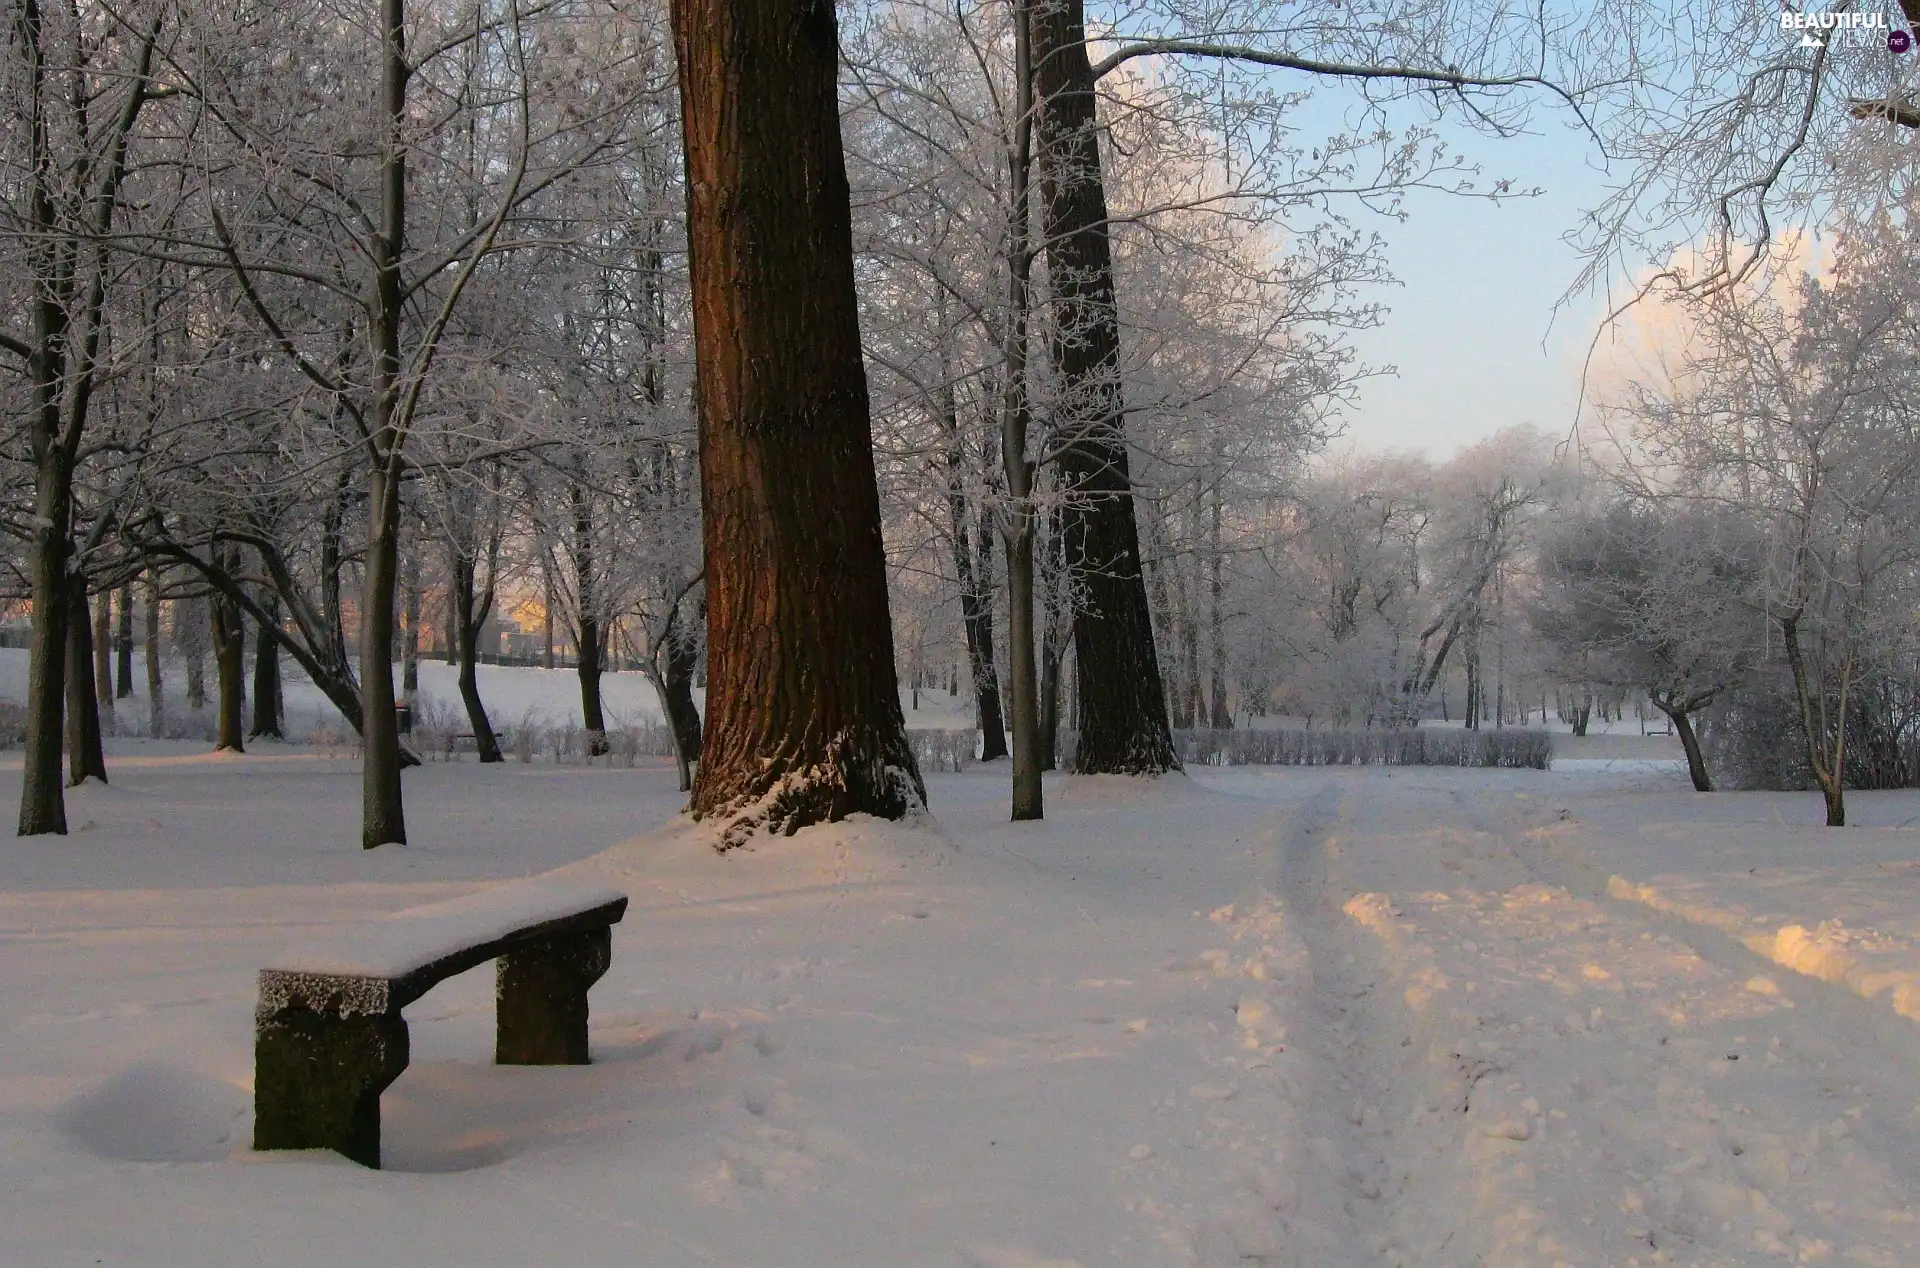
<point>230,668</point>
<point>156,685</point>
<point>803,716</point>
<point>470,611</point>
<point>1120,707</point>
<point>85,755</point>
<point>267,711</point>
<point>123,645</point>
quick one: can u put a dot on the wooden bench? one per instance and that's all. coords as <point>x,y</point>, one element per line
<point>328,1034</point>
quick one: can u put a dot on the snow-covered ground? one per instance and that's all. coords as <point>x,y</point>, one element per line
<point>1301,1017</point>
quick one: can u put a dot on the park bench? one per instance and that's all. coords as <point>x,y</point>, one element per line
<point>328,1034</point>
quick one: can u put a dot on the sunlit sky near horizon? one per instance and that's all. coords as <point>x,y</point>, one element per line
<point>1474,328</point>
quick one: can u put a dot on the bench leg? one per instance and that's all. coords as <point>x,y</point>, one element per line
<point>541,998</point>
<point>317,1080</point>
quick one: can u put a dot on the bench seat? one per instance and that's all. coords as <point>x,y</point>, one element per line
<point>328,1031</point>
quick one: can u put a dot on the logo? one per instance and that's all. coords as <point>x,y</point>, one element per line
<point>1898,41</point>
<point>1817,28</point>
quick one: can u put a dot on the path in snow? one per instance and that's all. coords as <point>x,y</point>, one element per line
<point>1536,1074</point>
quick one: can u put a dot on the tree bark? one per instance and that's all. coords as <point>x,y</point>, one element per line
<point>230,669</point>
<point>267,711</point>
<point>1120,714</point>
<point>85,755</point>
<point>803,719</point>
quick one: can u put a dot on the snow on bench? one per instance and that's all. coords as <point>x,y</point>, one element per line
<point>329,1035</point>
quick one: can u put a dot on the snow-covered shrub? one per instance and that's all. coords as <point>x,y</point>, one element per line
<point>1753,738</point>
<point>937,749</point>
<point>13,724</point>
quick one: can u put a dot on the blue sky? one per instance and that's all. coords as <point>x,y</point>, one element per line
<point>1474,330</point>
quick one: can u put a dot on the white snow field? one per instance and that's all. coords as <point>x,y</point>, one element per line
<point>1301,1017</point>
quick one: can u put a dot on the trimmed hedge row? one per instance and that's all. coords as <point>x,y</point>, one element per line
<point>1379,746</point>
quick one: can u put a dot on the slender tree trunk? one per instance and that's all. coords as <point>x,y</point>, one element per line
<point>1810,692</point>
<point>85,755</point>
<point>589,666</point>
<point>1696,762</point>
<point>156,685</point>
<point>591,657</point>
<point>42,803</point>
<point>103,655</point>
<point>803,720</point>
<point>190,634</point>
<point>61,365</point>
<point>1018,526</point>
<point>1056,634</point>
<point>681,656</point>
<point>123,645</point>
<point>453,631</point>
<point>470,611</point>
<point>267,713</point>
<point>546,619</point>
<point>230,668</point>
<point>1120,715</point>
<point>976,589</point>
<point>1196,708</point>
<point>1049,700</point>
<point>332,551</point>
<point>1222,715</point>
<point>382,815</point>
<point>410,673</point>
